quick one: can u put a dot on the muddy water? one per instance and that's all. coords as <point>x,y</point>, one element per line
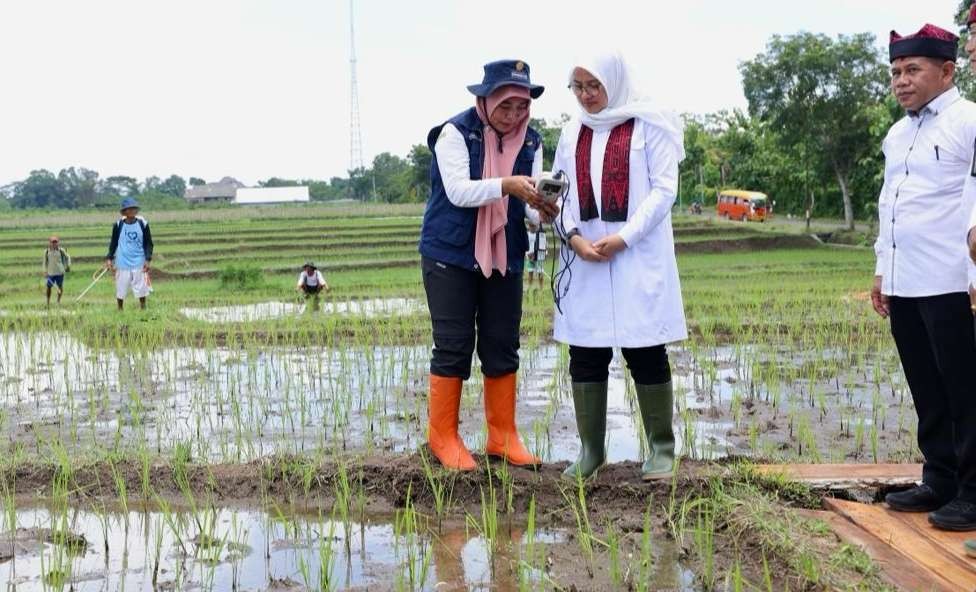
<point>252,550</point>
<point>368,308</point>
<point>237,405</point>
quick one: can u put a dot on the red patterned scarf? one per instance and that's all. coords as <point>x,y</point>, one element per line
<point>615,184</point>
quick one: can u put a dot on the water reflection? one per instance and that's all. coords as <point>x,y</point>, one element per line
<point>243,313</point>
<point>226,549</point>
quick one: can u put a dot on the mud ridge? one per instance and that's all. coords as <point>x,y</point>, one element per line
<point>617,489</point>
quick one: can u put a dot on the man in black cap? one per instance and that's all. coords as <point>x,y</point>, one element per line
<point>921,279</point>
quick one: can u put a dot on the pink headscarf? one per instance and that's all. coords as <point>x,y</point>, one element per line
<point>490,250</point>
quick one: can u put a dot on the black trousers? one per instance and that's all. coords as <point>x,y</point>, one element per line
<point>648,365</point>
<point>466,309</point>
<point>937,346</point>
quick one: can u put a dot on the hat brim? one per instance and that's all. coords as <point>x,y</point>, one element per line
<point>922,48</point>
<point>483,90</point>
<point>129,208</point>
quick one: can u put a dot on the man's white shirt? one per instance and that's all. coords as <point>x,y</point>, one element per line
<point>921,248</point>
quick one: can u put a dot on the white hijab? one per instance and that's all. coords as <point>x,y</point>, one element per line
<point>625,101</point>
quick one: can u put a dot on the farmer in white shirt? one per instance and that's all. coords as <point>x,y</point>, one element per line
<point>921,280</point>
<point>535,257</point>
<point>311,283</point>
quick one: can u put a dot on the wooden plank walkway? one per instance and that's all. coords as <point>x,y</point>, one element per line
<point>935,556</point>
<point>839,476</point>
<point>905,575</point>
<point>911,554</point>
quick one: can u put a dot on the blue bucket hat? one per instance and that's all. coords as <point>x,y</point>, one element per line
<point>505,72</point>
<point>128,203</point>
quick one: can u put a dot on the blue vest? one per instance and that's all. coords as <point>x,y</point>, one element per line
<point>447,234</point>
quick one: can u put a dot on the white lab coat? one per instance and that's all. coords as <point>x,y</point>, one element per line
<point>634,300</point>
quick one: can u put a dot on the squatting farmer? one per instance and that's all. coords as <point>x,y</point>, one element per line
<point>921,279</point>
<point>129,252</point>
<point>473,243</point>
<point>57,262</point>
<point>311,283</point>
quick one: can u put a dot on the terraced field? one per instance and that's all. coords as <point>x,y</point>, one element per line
<point>254,444</point>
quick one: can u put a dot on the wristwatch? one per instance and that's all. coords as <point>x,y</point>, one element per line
<point>570,235</point>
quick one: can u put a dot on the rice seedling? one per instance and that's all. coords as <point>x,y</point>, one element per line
<point>416,557</point>
<point>441,487</point>
<point>645,562</point>
<point>576,500</point>
<point>528,563</point>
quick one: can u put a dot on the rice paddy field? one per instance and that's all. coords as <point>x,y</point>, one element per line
<point>231,438</point>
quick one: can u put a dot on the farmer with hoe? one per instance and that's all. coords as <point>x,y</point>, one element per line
<point>56,264</point>
<point>129,253</point>
<point>921,281</point>
<point>473,243</point>
<point>311,283</point>
<point>621,154</point>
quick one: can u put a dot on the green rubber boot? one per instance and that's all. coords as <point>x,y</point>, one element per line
<point>657,408</point>
<point>590,402</point>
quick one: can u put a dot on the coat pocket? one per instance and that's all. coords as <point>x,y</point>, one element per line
<point>458,227</point>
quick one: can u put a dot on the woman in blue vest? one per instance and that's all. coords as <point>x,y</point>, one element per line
<point>473,243</point>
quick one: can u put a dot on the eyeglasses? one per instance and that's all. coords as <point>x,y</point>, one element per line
<point>591,88</point>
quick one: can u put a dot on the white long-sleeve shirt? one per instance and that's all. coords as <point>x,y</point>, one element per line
<point>921,247</point>
<point>454,164</point>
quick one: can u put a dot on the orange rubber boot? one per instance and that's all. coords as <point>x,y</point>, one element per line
<point>503,438</point>
<point>442,431</point>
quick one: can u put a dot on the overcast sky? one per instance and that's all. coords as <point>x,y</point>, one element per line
<point>260,88</point>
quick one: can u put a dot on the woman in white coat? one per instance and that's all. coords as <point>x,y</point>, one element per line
<point>621,156</point>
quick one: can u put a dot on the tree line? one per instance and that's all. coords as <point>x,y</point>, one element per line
<point>818,109</point>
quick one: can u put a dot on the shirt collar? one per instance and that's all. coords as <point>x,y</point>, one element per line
<point>938,104</point>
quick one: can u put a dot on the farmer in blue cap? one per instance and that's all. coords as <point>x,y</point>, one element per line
<point>473,244</point>
<point>129,253</point>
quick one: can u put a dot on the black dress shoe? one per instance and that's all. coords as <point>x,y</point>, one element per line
<point>956,515</point>
<point>920,498</point>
